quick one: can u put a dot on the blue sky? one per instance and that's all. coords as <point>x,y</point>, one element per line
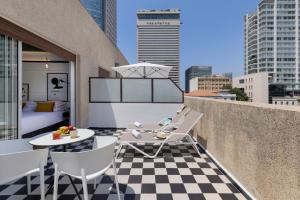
<point>211,33</point>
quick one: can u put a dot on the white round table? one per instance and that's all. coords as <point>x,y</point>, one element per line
<point>46,140</point>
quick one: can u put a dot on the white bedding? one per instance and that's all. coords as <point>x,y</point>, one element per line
<point>32,121</point>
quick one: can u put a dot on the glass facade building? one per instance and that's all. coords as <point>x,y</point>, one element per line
<point>104,12</point>
<point>196,71</point>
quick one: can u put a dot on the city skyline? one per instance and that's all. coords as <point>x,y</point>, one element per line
<point>201,43</point>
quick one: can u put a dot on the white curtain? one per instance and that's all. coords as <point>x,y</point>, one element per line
<point>8,88</point>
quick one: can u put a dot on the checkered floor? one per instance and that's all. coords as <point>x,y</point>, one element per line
<point>177,173</point>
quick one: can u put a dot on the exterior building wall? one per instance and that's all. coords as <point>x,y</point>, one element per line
<point>196,71</point>
<point>194,84</point>
<point>68,25</point>
<point>104,12</point>
<point>258,144</point>
<point>256,86</point>
<point>288,101</point>
<point>272,41</point>
<point>158,39</point>
<point>212,83</point>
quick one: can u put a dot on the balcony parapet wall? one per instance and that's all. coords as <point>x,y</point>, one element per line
<point>258,144</point>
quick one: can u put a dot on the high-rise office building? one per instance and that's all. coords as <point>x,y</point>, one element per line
<point>104,13</point>
<point>158,38</point>
<point>272,41</point>
<point>196,71</point>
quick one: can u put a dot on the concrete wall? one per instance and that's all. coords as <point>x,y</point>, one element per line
<point>193,84</point>
<point>67,24</point>
<point>259,144</point>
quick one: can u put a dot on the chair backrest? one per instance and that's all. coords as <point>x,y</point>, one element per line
<point>91,161</point>
<point>17,162</point>
<point>179,118</point>
<point>190,120</point>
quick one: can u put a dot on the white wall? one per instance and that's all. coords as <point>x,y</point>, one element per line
<point>256,86</point>
<point>120,115</point>
<point>193,84</point>
<point>35,74</point>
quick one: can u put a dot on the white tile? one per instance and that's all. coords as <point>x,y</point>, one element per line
<point>180,196</point>
<point>160,171</point>
<point>239,196</point>
<point>208,171</point>
<point>133,189</point>
<point>179,159</point>
<point>201,179</point>
<point>192,165</point>
<point>126,165</point>
<point>148,179</point>
<point>192,188</point>
<point>212,196</point>
<point>163,188</point>
<point>148,165</point>
<point>123,178</point>
<point>148,196</point>
<point>175,179</point>
<point>136,171</point>
<point>184,171</point>
<point>224,179</point>
<point>221,188</point>
<point>170,165</point>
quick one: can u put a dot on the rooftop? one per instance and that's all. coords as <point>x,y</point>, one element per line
<point>177,173</point>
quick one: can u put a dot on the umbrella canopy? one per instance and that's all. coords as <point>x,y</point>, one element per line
<point>143,70</point>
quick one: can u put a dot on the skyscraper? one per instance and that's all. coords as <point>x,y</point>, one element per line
<point>104,13</point>
<point>196,71</point>
<point>272,41</point>
<point>158,38</point>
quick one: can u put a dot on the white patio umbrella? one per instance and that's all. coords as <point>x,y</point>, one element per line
<point>143,70</point>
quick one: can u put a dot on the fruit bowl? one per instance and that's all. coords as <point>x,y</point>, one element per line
<point>63,131</point>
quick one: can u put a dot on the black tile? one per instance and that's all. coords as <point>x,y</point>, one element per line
<point>196,171</point>
<point>159,165</point>
<point>232,188</point>
<point>214,179</point>
<point>148,188</point>
<point>189,159</point>
<point>129,197</point>
<point>207,188</point>
<point>164,197</point>
<point>204,165</point>
<point>161,179</point>
<point>124,171</point>
<point>188,179</point>
<point>137,165</point>
<point>135,179</point>
<point>182,165</point>
<point>228,197</point>
<point>196,197</point>
<point>218,172</point>
<point>172,171</point>
<point>148,171</point>
<point>177,188</point>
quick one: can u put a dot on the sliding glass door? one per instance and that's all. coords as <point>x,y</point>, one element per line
<point>8,88</point>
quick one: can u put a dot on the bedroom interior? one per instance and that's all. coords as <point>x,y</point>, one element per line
<point>45,91</point>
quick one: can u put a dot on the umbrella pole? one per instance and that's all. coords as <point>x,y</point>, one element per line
<point>144,72</point>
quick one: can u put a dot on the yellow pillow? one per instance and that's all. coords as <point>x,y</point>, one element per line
<point>44,107</point>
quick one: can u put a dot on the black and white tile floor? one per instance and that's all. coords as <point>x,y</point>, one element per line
<point>178,173</point>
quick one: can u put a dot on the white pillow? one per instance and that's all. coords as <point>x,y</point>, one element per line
<point>30,106</point>
<point>59,106</point>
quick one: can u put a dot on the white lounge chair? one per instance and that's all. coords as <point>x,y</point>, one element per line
<point>17,159</point>
<point>87,165</point>
<point>175,122</point>
<point>177,136</point>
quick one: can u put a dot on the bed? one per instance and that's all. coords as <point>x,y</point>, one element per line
<point>34,121</point>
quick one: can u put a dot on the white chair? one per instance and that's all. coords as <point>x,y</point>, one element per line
<point>18,159</point>
<point>87,165</point>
